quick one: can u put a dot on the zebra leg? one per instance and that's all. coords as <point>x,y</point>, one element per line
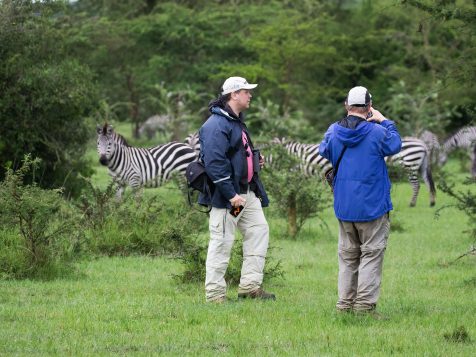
<point>119,192</point>
<point>413,178</point>
<point>425,170</point>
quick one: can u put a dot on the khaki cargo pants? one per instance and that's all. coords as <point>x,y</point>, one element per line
<point>253,225</point>
<point>361,249</point>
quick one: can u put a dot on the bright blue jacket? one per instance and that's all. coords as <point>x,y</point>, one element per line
<point>362,186</point>
<point>224,156</point>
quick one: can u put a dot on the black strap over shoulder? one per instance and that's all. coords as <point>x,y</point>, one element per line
<point>338,161</point>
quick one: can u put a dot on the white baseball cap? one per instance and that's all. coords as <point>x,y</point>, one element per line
<point>359,97</point>
<point>234,84</point>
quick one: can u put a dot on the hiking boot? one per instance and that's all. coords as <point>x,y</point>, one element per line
<point>219,300</point>
<point>257,294</point>
<point>370,313</point>
<point>343,310</point>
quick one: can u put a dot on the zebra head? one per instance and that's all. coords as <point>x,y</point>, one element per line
<point>105,144</point>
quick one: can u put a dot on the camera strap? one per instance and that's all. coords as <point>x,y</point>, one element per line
<point>338,161</point>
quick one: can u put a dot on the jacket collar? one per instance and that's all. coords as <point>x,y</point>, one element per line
<point>226,114</point>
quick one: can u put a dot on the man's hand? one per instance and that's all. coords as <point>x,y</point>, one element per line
<point>237,201</point>
<point>376,116</point>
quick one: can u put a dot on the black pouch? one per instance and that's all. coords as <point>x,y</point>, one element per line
<point>197,179</point>
<point>256,158</point>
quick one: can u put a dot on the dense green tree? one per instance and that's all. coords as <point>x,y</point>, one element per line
<point>45,94</point>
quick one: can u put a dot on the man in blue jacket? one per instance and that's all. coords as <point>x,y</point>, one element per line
<point>238,195</point>
<point>361,197</point>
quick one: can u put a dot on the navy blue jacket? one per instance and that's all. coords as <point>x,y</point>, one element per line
<point>362,186</point>
<point>223,153</point>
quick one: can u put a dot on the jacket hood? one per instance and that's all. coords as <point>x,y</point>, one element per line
<point>352,137</point>
<point>223,112</point>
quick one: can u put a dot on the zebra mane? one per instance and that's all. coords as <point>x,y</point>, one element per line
<point>121,140</point>
<point>116,137</point>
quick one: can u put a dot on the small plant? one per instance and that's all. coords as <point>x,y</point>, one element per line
<point>138,224</point>
<point>37,228</point>
<point>96,204</point>
<point>465,202</point>
<point>195,256</point>
<point>295,195</point>
<point>458,335</point>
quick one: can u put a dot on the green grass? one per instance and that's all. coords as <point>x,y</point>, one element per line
<point>133,306</point>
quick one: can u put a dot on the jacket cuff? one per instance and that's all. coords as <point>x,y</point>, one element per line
<point>226,189</point>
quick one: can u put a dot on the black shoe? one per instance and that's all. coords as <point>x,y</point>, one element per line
<point>257,294</point>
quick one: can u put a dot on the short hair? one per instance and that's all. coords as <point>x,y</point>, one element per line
<point>358,109</point>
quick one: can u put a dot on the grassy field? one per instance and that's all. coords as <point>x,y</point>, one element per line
<point>133,306</point>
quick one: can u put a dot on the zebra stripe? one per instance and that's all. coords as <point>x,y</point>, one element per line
<point>413,158</point>
<point>465,138</point>
<point>193,140</point>
<point>138,167</point>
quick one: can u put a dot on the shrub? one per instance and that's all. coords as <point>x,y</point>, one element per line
<point>139,224</point>
<point>195,256</point>
<point>458,335</point>
<point>296,196</point>
<point>465,202</point>
<point>38,233</point>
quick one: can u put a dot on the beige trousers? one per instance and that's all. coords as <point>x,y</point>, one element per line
<point>361,249</point>
<point>253,225</point>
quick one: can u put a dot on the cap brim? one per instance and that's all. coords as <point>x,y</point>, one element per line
<point>246,86</point>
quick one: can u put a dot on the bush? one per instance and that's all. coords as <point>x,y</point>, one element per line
<point>466,203</point>
<point>195,256</point>
<point>296,196</point>
<point>38,233</point>
<point>139,224</point>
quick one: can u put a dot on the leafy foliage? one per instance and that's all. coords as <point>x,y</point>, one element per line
<point>194,260</point>
<point>138,224</point>
<point>465,202</point>
<point>45,94</point>
<point>38,231</point>
<point>296,196</point>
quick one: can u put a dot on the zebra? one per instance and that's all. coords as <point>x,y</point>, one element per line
<point>413,158</point>
<point>312,163</point>
<point>432,143</point>
<point>140,167</point>
<point>193,140</point>
<point>154,124</point>
<point>465,138</point>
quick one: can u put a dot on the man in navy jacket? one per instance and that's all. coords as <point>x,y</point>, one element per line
<point>238,195</point>
<point>361,197</point>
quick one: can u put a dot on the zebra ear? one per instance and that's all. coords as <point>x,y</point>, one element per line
<point>98,129</point>
<point>109,129</point>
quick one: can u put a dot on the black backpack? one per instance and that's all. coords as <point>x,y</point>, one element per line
<point>198,180</point>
